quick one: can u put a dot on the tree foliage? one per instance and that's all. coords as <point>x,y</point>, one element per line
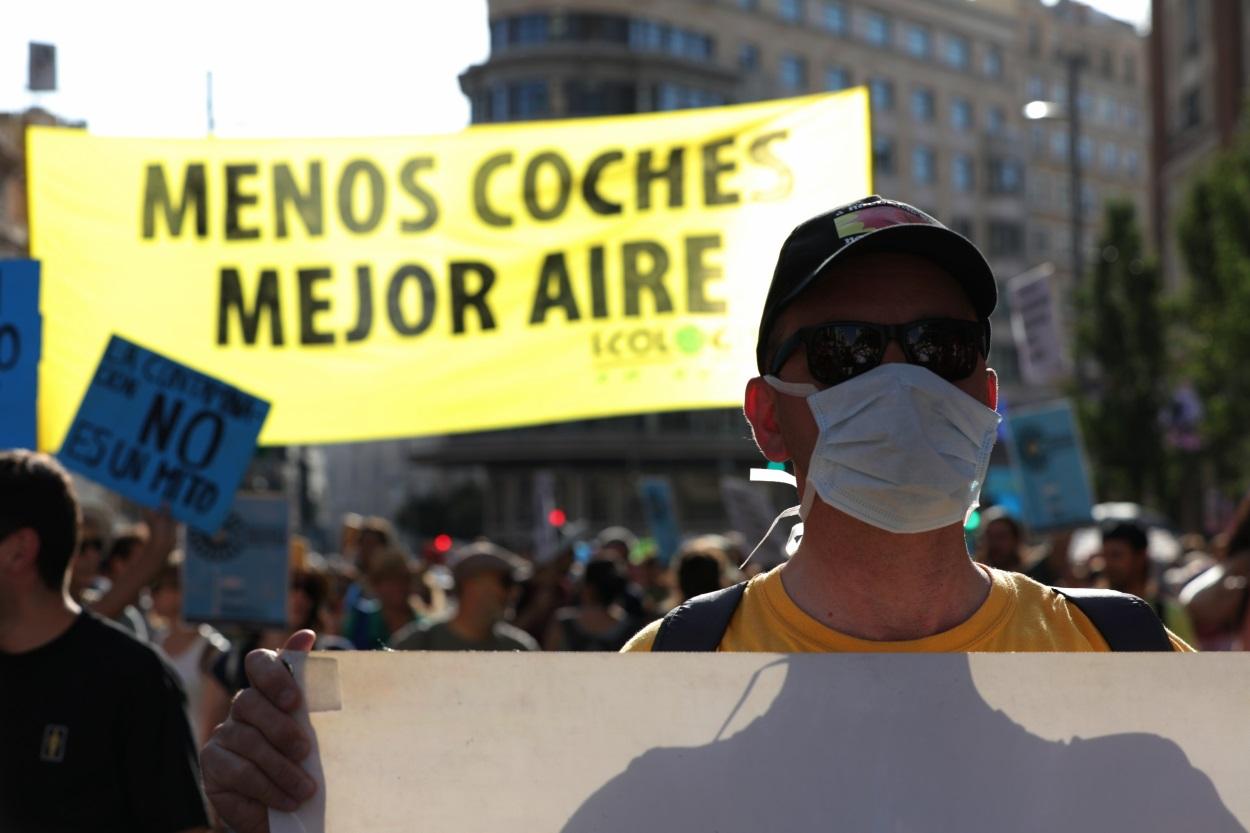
<point>1121,340</point>
<point>1215,353</point>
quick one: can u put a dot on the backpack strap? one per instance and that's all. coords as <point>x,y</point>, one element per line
<point>1125,621</point>
<point>700,623</point>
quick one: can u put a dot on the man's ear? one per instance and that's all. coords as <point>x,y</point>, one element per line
<point>991,388</point>
<point>760,406</point>
<point>19,552</point>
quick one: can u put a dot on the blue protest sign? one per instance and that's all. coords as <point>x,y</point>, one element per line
<point>659,508</point>
<point>1051,471</point>
<point>158,432</point>
<point>239,574</point>
<point>21,337</point>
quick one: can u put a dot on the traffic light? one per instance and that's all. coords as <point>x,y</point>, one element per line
<point>556,517</point>
<point>442,543</point>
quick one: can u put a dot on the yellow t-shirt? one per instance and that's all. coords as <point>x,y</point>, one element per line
<point>1018,615</point>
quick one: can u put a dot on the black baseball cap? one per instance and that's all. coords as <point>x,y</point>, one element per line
<point>873,224</point>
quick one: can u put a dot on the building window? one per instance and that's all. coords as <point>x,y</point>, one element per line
<point>1036,88</point>
<point>1041,241</point>
<point>877,29</point>
<point>961,114</point>
<point>1006,239</point>
<point>1189,26</point>
<point>923,104</point>
<point>881,93</point>
<point>748,57</point>
<point>924,165</point>
<point>600,98</point>
<point>957,52</point>
<point>1130,69</point>
<point>651,36</point>
<point>517,100</point>
<point>1132,117</point>
<point>992,62</point>
<point>882,156</point>
<point>837,78</point>
<point>793,73</point>
<point>791,10</point>
<point>918,41</point>
<point>668,96</point>
<point>1037,139</point>
<point>1086,149</point>
<point>531,28</point>
<point>749,5</point>
<point>833,16</point>
<point>962,225</point>
<point>1106,64</point>
<point>996,121</point>
<point>1130,162</point>
<point>1089,197</point>
<point>1110,157</point>
<point>1191,108</point>
<point>1006,176</point>
<point>1035,40</point>
<point>1110,111</point>
<point>1059,145</point>
<point>962,173</point>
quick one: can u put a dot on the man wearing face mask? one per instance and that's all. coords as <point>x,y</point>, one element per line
<point>872,354</point>
<point>874,384</point>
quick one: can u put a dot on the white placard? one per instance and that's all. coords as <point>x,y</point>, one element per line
<point>973,743</point>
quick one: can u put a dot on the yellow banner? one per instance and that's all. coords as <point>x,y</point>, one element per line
<point>372,288</point>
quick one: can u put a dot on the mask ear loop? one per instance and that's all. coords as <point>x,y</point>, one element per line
<point>796,533</point>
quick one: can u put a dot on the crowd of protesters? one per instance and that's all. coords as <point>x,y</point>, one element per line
<point>593,595</point>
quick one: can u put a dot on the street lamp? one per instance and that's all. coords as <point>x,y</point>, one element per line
<point>1050,110</point>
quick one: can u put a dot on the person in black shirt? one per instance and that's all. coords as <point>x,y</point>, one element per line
<point>93,736</point>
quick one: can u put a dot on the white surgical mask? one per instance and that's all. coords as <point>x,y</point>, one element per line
<point>899,448</point>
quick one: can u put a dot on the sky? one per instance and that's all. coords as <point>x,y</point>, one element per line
<point>279,68</point>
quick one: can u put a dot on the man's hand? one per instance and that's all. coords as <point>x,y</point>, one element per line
<point>251,762</point>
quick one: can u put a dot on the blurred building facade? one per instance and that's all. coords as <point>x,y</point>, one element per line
<point>1198,56</point>
<point>948,80</point>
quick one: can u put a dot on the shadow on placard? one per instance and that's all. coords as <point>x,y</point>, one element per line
<point>869,752</point>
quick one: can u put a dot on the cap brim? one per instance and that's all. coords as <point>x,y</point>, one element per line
<point>948,249</point>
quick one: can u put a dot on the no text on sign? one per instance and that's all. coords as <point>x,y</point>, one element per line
<point>158,432</point>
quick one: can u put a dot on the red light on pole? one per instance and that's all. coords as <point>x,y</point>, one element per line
<point>556,517</point>
<point>442,543</point>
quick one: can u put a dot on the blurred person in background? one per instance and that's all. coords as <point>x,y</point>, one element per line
<point>125,545</point>
<point>391,577</point>
<point>486,576</point>
<point>190,649</point>
<point>1126,567</point>
<point>359,604</point>
<point>618,543</point>
<point>597,622</point>
<point>653,580</point>
<point>94,734</point>
<point>114,590</point>
<point>1002,541</point>
<point>701,567</point>
<point>93,541</point>
<point>549,588</point>
<point>349,536</point>
<point>1218,600</point>
<point>118,561</point>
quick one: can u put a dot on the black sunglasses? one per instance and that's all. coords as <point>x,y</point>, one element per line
<point>841,350</point>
